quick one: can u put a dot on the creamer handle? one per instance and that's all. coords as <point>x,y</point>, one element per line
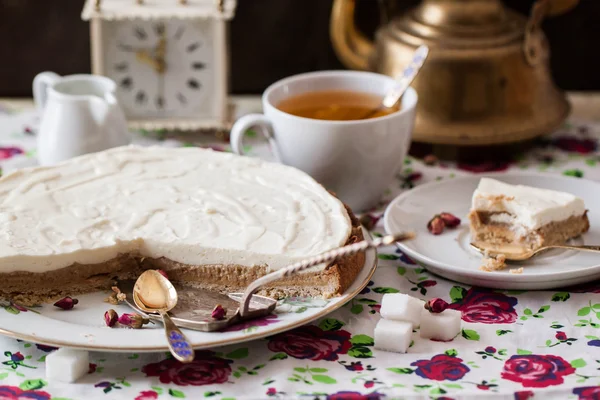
<point>40,88</point>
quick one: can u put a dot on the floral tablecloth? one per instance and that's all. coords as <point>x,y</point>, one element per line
<point>514,344</point>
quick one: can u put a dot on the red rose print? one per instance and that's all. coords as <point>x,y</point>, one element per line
<point>8,152</point>
<point>147,395</point>
<point>587,392</point>
<point>533,370</point>
<point>369,384</point>
<point>561,336</point>
<point>312,343</point>
<point>524,395</point>
<point>92,368</point>
<point>488,166</point>
<point>441,368</point>
<point>264,321</point>
<point>483,387</point>
<point>354,396</point>
<point>486,307</point>
<point>576,145</point>
<point>206,369</point>
<point>490,349</point>
<point>15,393</point>
<point>271,392</point>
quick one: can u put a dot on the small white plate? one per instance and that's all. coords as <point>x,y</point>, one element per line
<point>83,326</point>
<point>450,256</point>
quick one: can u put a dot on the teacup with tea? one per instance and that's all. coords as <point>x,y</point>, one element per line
<point>315,122</point>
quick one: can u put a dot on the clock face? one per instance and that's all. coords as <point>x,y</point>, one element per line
<point>162,68</point>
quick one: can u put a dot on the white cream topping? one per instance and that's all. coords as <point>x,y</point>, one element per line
<point>527,206</point>
<point>190,205</point>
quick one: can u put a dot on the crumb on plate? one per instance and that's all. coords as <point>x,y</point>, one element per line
<point>491,264</point>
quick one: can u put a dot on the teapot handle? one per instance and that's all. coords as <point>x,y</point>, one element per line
<point>40,87</point>
<point>350,45</point>
<point>533,37</point>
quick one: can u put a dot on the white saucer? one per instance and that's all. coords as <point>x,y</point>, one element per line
<point>450,256</point>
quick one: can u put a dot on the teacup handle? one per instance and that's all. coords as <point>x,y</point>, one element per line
<point>246,122</point>
<point>40,87</point>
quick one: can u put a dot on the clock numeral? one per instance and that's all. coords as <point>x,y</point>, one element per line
<point>181,98</point>
<point>140,33</point>
<point>122,67</point>
<point>192,47</point>
<point>179,32</point>
<point>125,47</point>
<point>126,83</point>
<point>160,28</point>
<point>160,102</point>
<point>140,97</point>
<point>193,84</point>
<point>198,65</point>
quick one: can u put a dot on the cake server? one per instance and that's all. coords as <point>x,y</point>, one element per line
<point>513,253</point>
<point>195,306</point>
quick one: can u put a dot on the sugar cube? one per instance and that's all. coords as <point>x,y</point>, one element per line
<point>441,326</point>
<point>67,365</point>
<point>402,307</point>
<point>393,335</point>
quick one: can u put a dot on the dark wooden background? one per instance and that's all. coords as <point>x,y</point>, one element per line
<point>270,39</point>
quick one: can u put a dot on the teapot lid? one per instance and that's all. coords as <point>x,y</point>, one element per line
<point>461,23</point>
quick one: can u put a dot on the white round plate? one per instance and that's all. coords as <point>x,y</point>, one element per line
<point>83,326</point>
<point>449,254</point>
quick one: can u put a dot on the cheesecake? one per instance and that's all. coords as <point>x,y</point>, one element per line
<point>208,219</point>
<point>525,217</point>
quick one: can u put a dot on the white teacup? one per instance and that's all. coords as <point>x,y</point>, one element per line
<point>357,160</point>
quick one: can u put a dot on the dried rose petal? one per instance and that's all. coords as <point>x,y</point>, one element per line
<point>111,317</point>
<point>436,305</point>
<point>66,303</point>
<point>163,273</point>
<point>430,159</point>
<point>134,321</point>
<point>436,225</point>
<point>218,312</point>
<point>450,220</point>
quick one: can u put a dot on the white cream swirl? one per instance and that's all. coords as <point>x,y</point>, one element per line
<point>190,205</point>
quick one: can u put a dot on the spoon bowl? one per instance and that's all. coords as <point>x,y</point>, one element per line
<point>153,293</point>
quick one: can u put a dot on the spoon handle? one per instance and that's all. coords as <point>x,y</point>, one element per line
<point>178,344</point>
<point>408,74</point>
<point>316,260</point>
<point>573,247</point>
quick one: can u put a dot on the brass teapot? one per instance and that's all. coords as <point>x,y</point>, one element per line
<point>487,79</point>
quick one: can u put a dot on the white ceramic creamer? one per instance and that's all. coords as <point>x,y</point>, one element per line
<point>79,114</point>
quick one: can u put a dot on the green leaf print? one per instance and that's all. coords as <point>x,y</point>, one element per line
<point>177,393</point>
<point>278,356</point>
<point>363,340</point>
<point>360,352</point>
<point>157,389</point>
<point>356,309</point>
<point>578,363</point>
<point>596,306</point>
<point>12,310</point>
<point>561,296</point>
<point>501,332</point>
<point>3,375</point>
<point>33,384</point>
<point>401,370</point>
<point>527,311</point>
<point>401,271</point>
<point>238,353</point>
<point>576,173</point>
<point>543,309</point>
<point>470,334</point>
<point>301,370</point>
<point>522,352</point>
<point>451,352</point>
<point>584,311</point>
<point>330,324</point>
<point>385,290</point>
<point>318,370</point>
<point>457,293</point>
<point>452,385</point>
<point>324,379</point>
<point>387,257</point>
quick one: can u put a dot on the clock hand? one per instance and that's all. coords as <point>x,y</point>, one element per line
<point>145,57</point>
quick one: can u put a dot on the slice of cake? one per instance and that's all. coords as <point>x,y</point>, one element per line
<point>215,220</point>
<point>528,217</point>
